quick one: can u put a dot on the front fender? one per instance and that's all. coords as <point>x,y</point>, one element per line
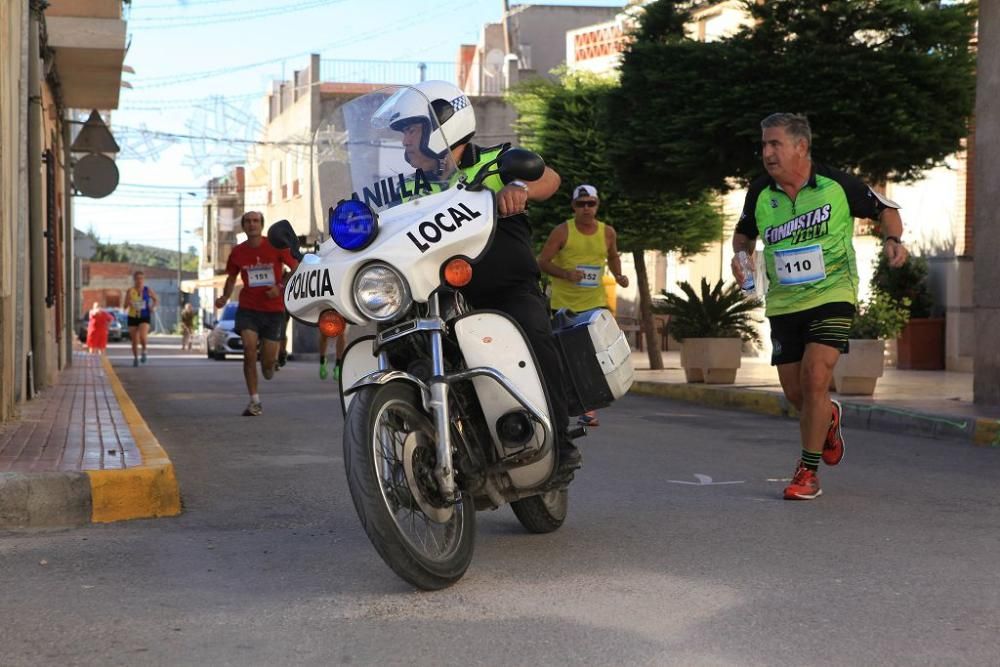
<point>385,377</point>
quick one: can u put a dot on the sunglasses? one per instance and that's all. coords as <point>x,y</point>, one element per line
<point>584,204</point>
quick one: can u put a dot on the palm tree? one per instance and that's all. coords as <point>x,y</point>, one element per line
<point>718,313</point>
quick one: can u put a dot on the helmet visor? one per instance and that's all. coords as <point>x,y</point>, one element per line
<point>392,149</point>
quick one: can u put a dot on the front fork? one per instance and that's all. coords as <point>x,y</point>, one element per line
<point>444,470</point>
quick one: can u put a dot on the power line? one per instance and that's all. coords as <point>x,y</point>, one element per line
<point>408,22</point>
<point>173,206</point>
<point>180,21</point>
<point>174,4</point>
<point>173,135</point>
<point>164,187</point>
<point>159,105</point>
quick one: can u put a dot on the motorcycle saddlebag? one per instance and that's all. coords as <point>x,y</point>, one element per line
<point>596,358</point>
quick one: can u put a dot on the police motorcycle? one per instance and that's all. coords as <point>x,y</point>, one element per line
<point>446,410</point>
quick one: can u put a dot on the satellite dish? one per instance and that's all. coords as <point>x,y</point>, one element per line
<point>494,62</point>
<point>95,175</point>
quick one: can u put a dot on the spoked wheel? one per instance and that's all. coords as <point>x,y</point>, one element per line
<point>544,513</point>
<point>389,454</point>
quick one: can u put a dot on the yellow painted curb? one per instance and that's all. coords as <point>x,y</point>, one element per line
<point>987,432</point>
<point>717,396</point>
<point>148,490</point>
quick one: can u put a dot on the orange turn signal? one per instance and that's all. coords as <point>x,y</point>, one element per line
<point>331,323</point>
<point>458,272</point>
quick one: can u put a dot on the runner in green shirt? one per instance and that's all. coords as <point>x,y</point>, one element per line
<point>804,214</point>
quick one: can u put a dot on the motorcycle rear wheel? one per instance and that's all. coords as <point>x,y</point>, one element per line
<point>544,513</point>
<point>389,456</point>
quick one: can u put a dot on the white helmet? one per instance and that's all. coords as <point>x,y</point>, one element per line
<point>451,109</point>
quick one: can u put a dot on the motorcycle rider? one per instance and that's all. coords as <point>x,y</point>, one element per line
<point>506,277</point>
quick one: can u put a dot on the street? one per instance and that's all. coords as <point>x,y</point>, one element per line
<point>678,549</point>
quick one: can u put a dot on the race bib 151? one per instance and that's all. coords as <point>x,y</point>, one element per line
<point>260,275</point>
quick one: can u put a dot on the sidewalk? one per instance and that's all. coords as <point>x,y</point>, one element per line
<point>935,404</point>
<point>80,453</point>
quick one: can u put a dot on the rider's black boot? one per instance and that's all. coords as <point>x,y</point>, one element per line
<point>570,460</point>
<point>569,456</point>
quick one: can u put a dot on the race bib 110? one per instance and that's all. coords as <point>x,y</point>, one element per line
<point>798,266</point>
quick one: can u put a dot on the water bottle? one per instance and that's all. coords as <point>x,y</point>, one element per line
<point>748,283</point>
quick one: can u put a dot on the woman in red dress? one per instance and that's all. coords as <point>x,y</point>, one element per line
<point>97,329</point>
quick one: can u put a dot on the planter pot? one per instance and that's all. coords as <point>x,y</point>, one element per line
<point>711,360</point>
<point>857,371</point>
<point>692,360</point>
<point>921,345</point>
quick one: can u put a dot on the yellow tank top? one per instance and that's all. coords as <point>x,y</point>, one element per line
<point>587,253</point>
<point>138,302</point>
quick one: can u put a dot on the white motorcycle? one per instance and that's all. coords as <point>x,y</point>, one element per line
<point>446,411</point>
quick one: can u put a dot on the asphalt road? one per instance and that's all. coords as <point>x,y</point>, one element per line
<point>898,563</point>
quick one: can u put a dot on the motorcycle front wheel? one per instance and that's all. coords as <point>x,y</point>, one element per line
<point>543,513</point>
<point>389,456</point>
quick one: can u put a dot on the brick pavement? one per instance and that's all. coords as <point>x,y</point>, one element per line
<point>75,425</point>
<point>82,442</point>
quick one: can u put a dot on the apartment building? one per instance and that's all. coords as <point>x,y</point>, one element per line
<point>58,58</point>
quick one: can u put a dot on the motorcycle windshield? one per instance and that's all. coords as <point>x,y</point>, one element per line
<point>396,151</point>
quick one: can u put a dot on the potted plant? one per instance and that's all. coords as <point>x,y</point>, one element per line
<point>711,327</point>
<point>921,343</point>
<point>879,318</point>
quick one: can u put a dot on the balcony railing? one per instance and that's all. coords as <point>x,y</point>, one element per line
<point>386,71</point>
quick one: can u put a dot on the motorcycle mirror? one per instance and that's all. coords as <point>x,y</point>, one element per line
<point>520,163</point>
<point>516,163</point>
<point>281,236</point>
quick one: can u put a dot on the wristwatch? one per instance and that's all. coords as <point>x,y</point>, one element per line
<point>893,238</point>
<point>519,183</point>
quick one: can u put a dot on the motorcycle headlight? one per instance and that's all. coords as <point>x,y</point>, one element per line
<point>380,293</point>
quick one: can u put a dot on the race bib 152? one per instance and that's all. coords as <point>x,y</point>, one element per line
<point>591,275</point>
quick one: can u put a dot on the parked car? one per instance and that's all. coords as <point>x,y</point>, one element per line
<point>115,327</point>
<point>223,338</point>
<point>123,321</point>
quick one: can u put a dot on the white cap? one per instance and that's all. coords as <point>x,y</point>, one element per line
<point>584,191</point>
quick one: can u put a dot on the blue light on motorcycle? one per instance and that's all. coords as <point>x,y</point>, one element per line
<point>353,225</point>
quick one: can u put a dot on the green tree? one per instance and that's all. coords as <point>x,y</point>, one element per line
<point>562,121</point>
<point>909,282</point>
<point>888,86</point>
<point>191,260</point>
<point>143,255</point>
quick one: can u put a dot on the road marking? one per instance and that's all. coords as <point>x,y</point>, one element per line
<point>703,480</point>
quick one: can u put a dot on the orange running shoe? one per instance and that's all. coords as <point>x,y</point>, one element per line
<point>833,448</point>
<point>588,419</point>
<point>804,486</point>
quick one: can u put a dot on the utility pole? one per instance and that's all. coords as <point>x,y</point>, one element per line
<point>507,46</point>
<point>180,256</point>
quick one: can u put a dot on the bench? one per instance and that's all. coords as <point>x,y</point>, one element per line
<point>632,328</point>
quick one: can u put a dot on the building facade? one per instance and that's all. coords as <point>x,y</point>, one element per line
<point>107,284</point>
<point>219,232</point>
<point>56,57</point>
